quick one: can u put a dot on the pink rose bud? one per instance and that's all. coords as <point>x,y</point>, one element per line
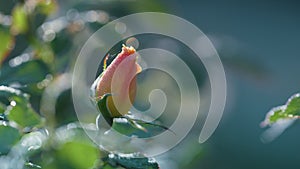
<point>119,79</point>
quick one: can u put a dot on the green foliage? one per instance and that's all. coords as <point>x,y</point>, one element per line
<point>127,125</point>
<point>46,7</point>
<point>135,127</point>
<point>35,54</point>
<point>20,20</point>
<point>19,110</point>
<point>8,137</point>
<point>6,93</point>
<point>6,43</point>
<point>23,114</point>
<point>291,110</point>
<point>23,72</point>
<point>2,109</point>
<point>86,155</point>
<point>130,161</point>
<point>73,150</point>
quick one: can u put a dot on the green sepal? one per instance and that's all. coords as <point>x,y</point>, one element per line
<point>103,108</point>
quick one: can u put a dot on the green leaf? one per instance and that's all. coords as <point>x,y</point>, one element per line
<point>44,52</point>
<point>6,93</point>
<point>135,127</point>
<point>127,125</point>
<point>73,150</point>
<point>26,73</point>
<point>291,110</point>
<point>78,155</point>
<point>2,109</point>
<point>19,110</point>
<point>132,161</point>
<point>293,106</point>
<point>6,43</point>
<point>29,165</point>
<point>23,114</point>
<point>19,20</point>
<point>8,137</point>
<point>29,145</point>
<point>64,105</point>
<point>46,6</point>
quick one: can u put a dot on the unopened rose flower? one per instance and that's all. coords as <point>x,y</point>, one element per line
<point>118,79</point>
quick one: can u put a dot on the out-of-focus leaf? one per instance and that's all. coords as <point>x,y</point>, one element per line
<point>7,41</point>
<point>46,6</point>
<point>3,116</point>
<point>2,109</point>
<point>23,114</point>
<point>62,47</point>
<point>44,52</point>
<point>291,110</point>
<point>62,42</point>
<point>19,20</point>
<point>20,153</point>
<point>26,73</point>
<point>8,137</point>
<point>141,6</point>
<point>72,132</point>
<point>78,155</point>
<point>31,143</point>
<point>6,93</point>
<point>19,110</point>
<point>64,109</point>
<point>19,45</point>
<point>73,150</point>
<point>127,7</point>
<point>132,161</point>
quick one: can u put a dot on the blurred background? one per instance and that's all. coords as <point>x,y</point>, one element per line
<point>258,43</point>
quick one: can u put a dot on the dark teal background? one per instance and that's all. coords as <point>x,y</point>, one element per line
<point>268,34</point>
